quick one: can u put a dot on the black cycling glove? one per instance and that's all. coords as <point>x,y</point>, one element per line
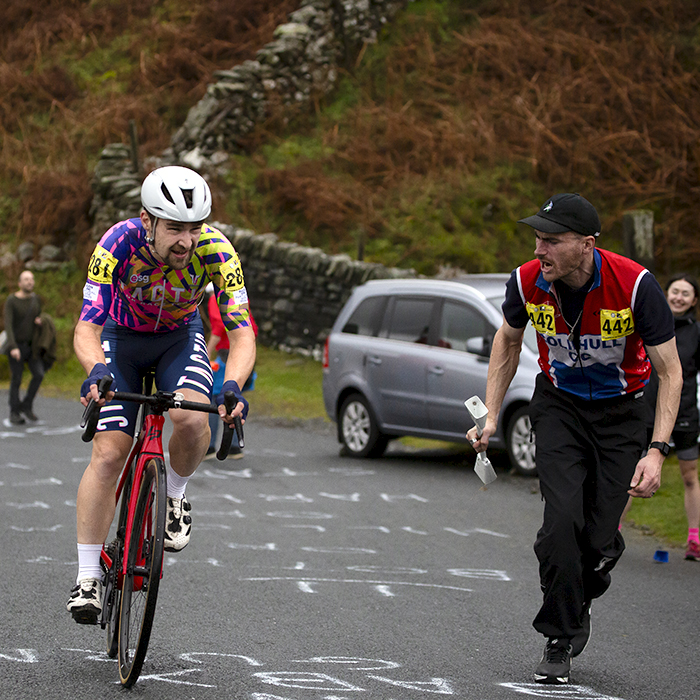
<point>96,373</point>
<point>230,385</point>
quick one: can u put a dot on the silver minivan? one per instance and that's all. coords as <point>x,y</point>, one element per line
<point>404,355</point>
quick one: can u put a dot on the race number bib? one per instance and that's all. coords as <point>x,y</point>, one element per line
<point>542,317</point>
<point>232,274</point>
<point>616,324</point>
<point>102,264</point>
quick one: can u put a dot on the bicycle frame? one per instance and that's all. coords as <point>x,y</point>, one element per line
<point>148,444</point>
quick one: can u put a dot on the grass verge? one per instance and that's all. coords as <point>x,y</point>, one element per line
<point>664,514</point>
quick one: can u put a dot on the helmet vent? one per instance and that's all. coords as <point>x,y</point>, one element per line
<point>167,194</point>
<point>187,194</point>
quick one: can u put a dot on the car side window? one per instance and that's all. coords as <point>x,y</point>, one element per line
<point>410,320</point>
<point>367,317</point>
<point>459,323</point>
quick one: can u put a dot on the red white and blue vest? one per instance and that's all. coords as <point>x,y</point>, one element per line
<point>611,360</point>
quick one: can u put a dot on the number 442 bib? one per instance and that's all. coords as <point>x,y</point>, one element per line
<point>616,324</point>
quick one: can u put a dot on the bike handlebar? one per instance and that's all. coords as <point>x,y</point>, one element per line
<point>162,401</point>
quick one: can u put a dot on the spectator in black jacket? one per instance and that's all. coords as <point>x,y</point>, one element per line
<point>22,316</point>
<point>682,292</point>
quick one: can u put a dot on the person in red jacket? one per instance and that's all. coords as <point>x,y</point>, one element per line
<point>600,318</point>
<point>217,347</point>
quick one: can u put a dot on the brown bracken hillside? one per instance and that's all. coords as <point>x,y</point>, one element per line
<point>595,96</point>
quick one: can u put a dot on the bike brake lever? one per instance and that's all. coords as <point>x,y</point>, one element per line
<point>230,402</point>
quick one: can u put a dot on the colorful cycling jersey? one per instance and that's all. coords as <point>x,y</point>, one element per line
<point>126,283</point>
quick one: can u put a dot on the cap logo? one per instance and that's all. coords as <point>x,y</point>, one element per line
<point>548,206</point>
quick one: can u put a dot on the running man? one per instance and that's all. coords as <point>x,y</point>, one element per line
<point>145,280</point>
<point>595,312</point>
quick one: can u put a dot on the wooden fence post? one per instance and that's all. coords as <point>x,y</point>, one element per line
<point>638,234</point>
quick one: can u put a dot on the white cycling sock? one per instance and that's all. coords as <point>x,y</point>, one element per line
<point>89,562</point>
<point>176,483</point>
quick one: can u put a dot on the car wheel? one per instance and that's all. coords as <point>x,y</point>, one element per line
<point>520,450</point>
<point>359,431</point>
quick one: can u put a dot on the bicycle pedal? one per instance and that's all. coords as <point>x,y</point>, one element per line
<point>86,616</point>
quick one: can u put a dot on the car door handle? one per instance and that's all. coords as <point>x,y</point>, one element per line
<point>373,359</point>
<point>436,370</point>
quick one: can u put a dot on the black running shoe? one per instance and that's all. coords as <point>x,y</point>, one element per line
<point>579,641</point>
<point>556,662</point>
<point>16,418</point>
<point>30,415</point>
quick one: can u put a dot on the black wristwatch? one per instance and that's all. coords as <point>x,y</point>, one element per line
<point>662,447</point>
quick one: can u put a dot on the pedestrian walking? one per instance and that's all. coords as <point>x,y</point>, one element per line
<point>682,292</point>
<point>22,319</point>
<point>594,312</point>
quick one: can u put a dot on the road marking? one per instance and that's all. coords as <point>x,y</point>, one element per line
<point>480,573</point>
<point>173,677</point>
<point>391,499</point>
<point>51,481</point>
<point>296,497</point>
<point>434,685</point>
<point>570,692</point>
<point>318,528</point>
<point>385,591</point>
<point>221,474</point>
<point>354,497</point>
<point>309,579</point>
<point>480,530</point>
<point>24,656</point>
<point>301,514</point>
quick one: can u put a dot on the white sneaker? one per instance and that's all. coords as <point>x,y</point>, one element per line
<point>85,602</point>
<point>178,524</point>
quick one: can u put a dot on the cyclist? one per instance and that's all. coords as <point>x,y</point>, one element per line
<point>594,313</point>
<point>145,280</point>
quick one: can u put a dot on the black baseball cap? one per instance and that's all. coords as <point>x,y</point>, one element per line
<point>566,212</point>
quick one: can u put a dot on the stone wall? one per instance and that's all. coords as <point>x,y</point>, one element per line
<point>296,292</point>
<point>302,61</point>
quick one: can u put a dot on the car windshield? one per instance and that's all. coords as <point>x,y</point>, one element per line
<point>530,337</point>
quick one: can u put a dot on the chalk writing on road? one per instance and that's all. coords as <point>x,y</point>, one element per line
<point>331,677</point>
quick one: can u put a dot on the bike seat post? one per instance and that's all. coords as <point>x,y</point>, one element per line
<point>149,380</point>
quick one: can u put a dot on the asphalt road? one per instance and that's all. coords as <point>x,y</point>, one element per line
<point>315,577</point>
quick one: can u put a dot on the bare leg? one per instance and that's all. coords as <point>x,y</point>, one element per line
<point>689,472</point>
<point>190,439</point>
<point>96,493</point>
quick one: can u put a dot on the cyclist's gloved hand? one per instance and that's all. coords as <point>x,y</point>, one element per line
<point>230,385</point>
<point>96,373</point>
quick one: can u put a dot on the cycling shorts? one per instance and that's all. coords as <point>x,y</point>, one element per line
<point>179,357</point>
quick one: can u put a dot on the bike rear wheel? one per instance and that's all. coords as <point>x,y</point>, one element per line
<point>143,570</point>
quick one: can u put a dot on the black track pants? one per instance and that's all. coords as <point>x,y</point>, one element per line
<point>586,455</point>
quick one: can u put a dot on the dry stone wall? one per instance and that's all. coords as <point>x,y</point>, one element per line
<point>297,292</point>
<point>303,60</point>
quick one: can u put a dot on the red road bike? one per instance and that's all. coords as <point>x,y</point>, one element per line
<point>133,560</point>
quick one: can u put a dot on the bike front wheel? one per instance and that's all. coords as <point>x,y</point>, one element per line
<point>143,570</point>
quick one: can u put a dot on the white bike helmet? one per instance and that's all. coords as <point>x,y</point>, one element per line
<point>176,193</point>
